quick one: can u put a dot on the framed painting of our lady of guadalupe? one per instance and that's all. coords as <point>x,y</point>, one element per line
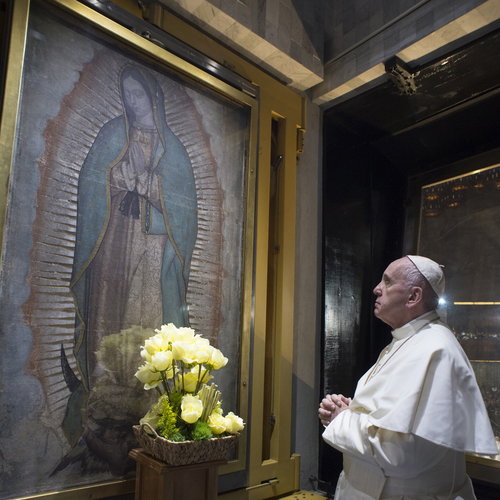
<point>127,208</point>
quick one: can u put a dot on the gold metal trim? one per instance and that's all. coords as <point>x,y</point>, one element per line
<point>476,303</point>
<point>150,49</point>
<point>468,174</point>
<point>10,105</point>
<point>95,491</point>
<point>483,468</point>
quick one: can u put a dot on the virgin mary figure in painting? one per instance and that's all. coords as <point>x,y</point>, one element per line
<point>136,230</point>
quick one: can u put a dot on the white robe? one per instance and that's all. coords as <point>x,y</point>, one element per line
<point>414,415</point>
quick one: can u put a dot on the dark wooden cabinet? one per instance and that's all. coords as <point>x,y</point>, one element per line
<point>156,480</point>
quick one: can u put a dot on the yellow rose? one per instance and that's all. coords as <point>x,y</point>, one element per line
<point>188,382</point>
<point>217,359</point>
<point>158,342</point>
<point>169,332</point>
<point>234,423</point>
<point>217,423</point>
<point>191,408</point>
<point>161,360</point>
<point>147,376</point>
<point>202,351</point>
<point>185,334</point>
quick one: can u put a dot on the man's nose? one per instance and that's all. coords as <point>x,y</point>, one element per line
<point>377,291</point>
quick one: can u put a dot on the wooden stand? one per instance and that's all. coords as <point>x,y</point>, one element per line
<point>155,480</point>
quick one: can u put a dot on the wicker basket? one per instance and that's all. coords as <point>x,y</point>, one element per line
<point>183,452</point>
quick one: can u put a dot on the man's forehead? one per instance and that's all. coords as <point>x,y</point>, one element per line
<point>395,269</point>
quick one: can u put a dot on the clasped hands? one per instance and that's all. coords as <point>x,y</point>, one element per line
<point>331,406</point>
<point>136,158</point>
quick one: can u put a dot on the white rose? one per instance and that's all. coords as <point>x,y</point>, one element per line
<point>234,423</point>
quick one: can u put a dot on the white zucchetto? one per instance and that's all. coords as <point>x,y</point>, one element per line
<point>431,271</point>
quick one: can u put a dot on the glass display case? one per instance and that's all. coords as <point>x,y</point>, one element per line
<point>459,227</point>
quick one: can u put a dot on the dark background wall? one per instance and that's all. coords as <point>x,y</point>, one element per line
<point>363,228</point>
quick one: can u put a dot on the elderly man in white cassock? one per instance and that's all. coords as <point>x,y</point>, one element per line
<point>418,410</point>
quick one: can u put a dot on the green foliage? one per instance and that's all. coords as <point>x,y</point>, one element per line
<point>178,436</point>
<point>201,430</point>
<point>154,413</point>
<point>164,417</point>
<point>175,401</point>
<point>167,421</point>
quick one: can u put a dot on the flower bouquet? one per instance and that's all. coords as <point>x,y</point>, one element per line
<point>186,424</point>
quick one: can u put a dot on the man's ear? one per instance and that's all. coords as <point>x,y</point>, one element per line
<point>416,295</point>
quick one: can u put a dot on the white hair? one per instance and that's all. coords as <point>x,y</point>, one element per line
<point>415,278</point>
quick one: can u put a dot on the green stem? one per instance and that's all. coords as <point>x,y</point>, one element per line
<point>198,382</point>
<point>165,383</point>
